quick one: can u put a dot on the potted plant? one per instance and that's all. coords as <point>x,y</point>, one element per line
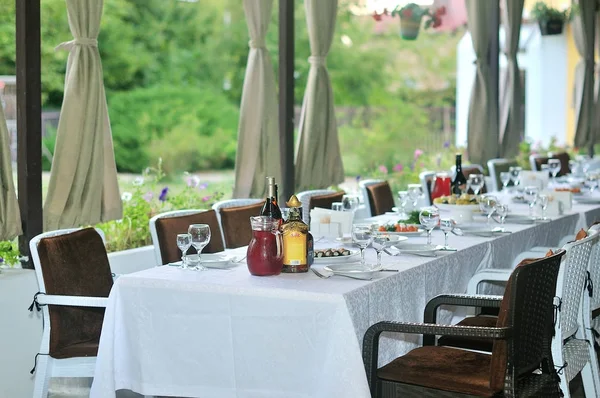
<point>550,20</point>
<point>411,18</point>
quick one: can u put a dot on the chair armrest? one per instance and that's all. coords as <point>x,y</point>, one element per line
<point>461,300</point>
<point>76,301</point>
<point>372,335</point>
<point>488,275</point>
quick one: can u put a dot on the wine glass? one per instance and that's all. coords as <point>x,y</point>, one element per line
<point>414,192</point>
<point>502,212</point>
<point>505,179</point>
<point>337,206</point>
<point>477,182</point>
<point>350,202</point>
<point>429,218</point>
<point>591,181</point>
<point>200,238</point>
<point>362,236</point>
<point>515,175</point>
<point>487,204</point>
<point>447,225</point>
<point>184,241</point>
<point>530,194</point>
<point>542,200</point>
<point>554,166</point>
<point>379,243</point>
<point>402,201</point>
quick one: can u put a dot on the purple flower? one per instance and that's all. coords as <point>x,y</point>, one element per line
<point>383,169</point>
<point>1,260</point>
<point>206,198</point>
<point>203,186</point>
<point>193,181</point>
<point>148,196</point>
<point>447,144</point>
<point>398,167</point>
<point>418,153</point>
<point>358,178</point>
<point>163,194</point>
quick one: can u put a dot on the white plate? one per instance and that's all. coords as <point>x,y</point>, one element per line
<point>419,248</point>
<point>393,237</point>
<point>346,240</point>
<point>339,259</point>
<point>587,200</point>
<point>356,270</point>
<point>447,207</point>
<point>419,232</point>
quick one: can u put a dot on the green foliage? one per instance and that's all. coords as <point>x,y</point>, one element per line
<point>48,143</point>
<point>9,253</point>
<point>160,121</point>
<point>527,147</point>
<point>150,196</point>
<point>542,12</point>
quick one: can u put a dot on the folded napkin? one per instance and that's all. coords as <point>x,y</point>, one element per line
<point>534,178</point>
<point>330,223</point>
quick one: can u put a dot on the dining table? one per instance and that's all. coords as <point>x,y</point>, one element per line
<point>224,333</point>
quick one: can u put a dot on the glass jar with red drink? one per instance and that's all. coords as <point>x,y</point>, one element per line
<point>265,254</point>
<point>441,186</point>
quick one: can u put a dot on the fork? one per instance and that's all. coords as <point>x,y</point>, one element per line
<point>323,276</point>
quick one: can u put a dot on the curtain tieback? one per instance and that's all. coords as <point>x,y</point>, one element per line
<point>82,41</point>
<point>317,60</point>
<point>257,44</point>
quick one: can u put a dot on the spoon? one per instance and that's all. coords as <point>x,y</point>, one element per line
<point>458,232</point>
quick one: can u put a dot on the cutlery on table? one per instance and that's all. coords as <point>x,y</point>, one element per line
<point>422,254</point>
<point>325,276</point>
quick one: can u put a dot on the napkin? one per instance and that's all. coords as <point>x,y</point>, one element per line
<point>330,223</point>
<point>534,178</point>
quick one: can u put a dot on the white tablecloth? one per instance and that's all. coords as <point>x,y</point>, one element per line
<point>225,333</point>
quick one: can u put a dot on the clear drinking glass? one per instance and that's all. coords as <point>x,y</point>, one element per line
<point>515,175</point>
<point>429,219</point>
<point>447,225</point>
<point>350,202</point>
<point>477,182</point>
<point>502,212</point>
<point>200,238</point>
<point>362,236</point>
<point>530,194</point>
<point>487,204</point>
<point>542,200</point>
<point>379,243</point>
<point>554,166</point>
<point>591,181</point>
<point>414,192</point>
<point>505,179</point>
<point>184,241</point>
<point>337,206</point>
<point>402,201</point>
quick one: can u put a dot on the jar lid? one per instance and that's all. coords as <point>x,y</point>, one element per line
<point>294,202</point>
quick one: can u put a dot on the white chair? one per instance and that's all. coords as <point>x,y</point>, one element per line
<point>426,178</point>
<point>226,204</point>
<point>46,366</point>
<point>305,196</point>
<point>495,167</point>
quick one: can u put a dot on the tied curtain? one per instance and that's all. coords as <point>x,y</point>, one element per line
<point>483,127</point>
<point>511,100</point>
<point>258,151</point>
<point>10,218</point>
<point>83,186</point>
<point>584,31</point>
<point>318,157</point>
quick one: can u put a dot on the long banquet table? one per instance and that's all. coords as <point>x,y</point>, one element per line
<point>225,333</point>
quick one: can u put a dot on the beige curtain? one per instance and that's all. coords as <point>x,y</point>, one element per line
<point>83,183</point>
<point>258,151</point>
<point>10,217</point>
<point>511,97</point>
<point>318,157</point>
<point>584,31</point>
<point>483,128</point>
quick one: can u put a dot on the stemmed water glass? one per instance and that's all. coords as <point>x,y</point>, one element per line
<point>591,181</point>
<point>379,243</point>
<point>487,204</point>
<point>542,200</point>
<point>402,201</point>
<point>515,175</point>
<point>554,166</point>
<point>502,212</point>
<point>337,206</point>
<point>362,236</point>
<point>477,182</point>
<point>184,241</point>
<point>414,192</point>
<point>447,225</point>
<point>531,194</point>
<point>505,179</point>
<point>429,218</point>
<point>350,202</point>
<point>200,238</point>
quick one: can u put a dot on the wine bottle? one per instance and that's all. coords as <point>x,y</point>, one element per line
<point>270,208</point>
<point>459,182</point>
<point>295,239</point>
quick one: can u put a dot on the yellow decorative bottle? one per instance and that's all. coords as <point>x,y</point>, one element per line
<point>295,233</point>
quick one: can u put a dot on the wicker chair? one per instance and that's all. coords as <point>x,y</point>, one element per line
<point>497,166</point>
<point>378,194</point>
<point>74,280</point>
<point>571,348</point>
<point>234,219</point>
<point>305,196</point>
<point>521,345</point>
<point>165,227</point>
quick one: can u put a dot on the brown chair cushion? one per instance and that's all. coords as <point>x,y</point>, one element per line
<point>472,343</point>
<point>564,163</point>
<point>236,224</point>
<point>381,198</point>
<point>325,201</point>
<point>582,234</point>
<point>167,229</point>
<point>442,368</point>
<point>75,264</point>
